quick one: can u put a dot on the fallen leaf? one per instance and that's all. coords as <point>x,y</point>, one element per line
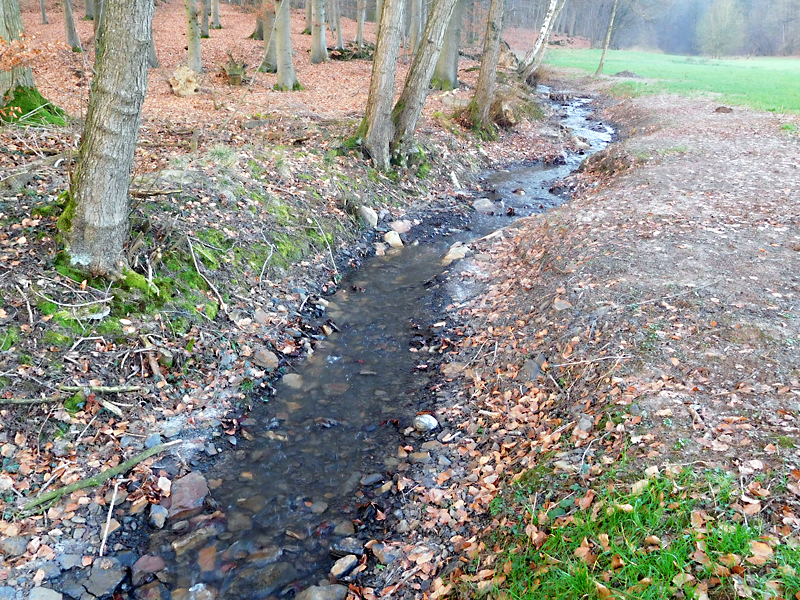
<point>602,591</point>
<point>681,579</point>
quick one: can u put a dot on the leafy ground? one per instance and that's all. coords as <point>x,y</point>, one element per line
<point>765,83</point>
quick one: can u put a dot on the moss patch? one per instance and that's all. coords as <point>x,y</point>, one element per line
<point>26,106</point>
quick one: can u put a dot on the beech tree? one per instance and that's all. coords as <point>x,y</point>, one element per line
<point>377,127</point>
<point>19,78</point>
<point>361,14</point>
<point>88,12</point>
<point>445,75</point>
<point>206,13</point>
<point>319,50</point>
<point>270,61</point>
<point>287,80</point>
<point>194,61</point>
<point>481,104</point>
<point>73,41</point>
<point>95,222</point>
<point>215,24</point>
<point>44,12</point>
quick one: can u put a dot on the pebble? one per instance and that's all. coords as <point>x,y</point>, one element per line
<point>41,593</point>
<point>266,359</point>
<point>67,561</point>
<point>347,546</point>
<point>106,574</point>
<point>293,380</point>
<point>342,567</point>
<point>318,508</point>
<point>152,440</point>
<point>171,430</point>
<point>371,479</point>
<point>154,590</point>
<point>483,205</point>
<point>419,457</point>
<point>393,239</point>
<point>188,495</point>
<point>14,546</point>
<point>158,516</point>
<point>201,591</point>
<point>344,527</point>
<point>425,423</point>
<point>326,592</point>
<point>193,540</point>
<point>401,226</point>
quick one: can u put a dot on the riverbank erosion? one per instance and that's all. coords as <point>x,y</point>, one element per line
<point>626,384</point>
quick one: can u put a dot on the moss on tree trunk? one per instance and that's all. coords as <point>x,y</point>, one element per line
<point>26,105</point>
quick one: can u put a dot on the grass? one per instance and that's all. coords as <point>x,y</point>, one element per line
<point>771,84</point>
<point>665,537</point>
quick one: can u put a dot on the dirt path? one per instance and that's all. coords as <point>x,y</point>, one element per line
<point>662,304</point>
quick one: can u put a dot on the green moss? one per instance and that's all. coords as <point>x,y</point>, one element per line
<point>9,338</point>
<point>134,280</point>
<point>26,106</point>
<point>53,338</point>
<point>439,84</point>
<point>211,309</point>
<point>297,87</point>
<point>68,213</point>
<point>424,170</point>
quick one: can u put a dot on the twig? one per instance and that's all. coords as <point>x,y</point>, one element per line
<point>100,478</point>
<point>27,303</point>
<point>593,360</point>
<point>102,389</point>
<point>222,304</point>
<point>85,339</point>
<point>689,291</point>
<point>151,359</point>
<point>140,193</point>
<point>264,266</point>
<point>324,237</point>
<point>109,299</point>
<point>89,424</point>
<point>108,516</point>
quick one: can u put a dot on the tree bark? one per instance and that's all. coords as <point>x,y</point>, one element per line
<point>378,13</point>
<point>204,6</point>
<point>152,57</point>
<point>10,29</point>
<point>258,32</point>
<point>361,13</point>
<point>95,222</point>
<point>194,60</point>
<point>319,50</point>
<point>415,24</point>
<point>484,90</point>
<point>89,10</point>
<point>73,41</point>
<point>409,106</point>
<point>270,63</point>
<point>337,19</point>
<point>377,129</point>
<point>287,80</point>
<point>99,18</point>
<point>608,38</point>
<point>44,13</point>
<point>445,75</point>
<point>308,8</point>
<point>526,67</point>
<point>215,24</point>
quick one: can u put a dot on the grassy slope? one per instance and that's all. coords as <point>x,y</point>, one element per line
<point>765,83</point>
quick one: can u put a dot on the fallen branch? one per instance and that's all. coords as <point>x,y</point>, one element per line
<point>102,389</point>
<point>26,400</point>
<point>100,478</point>
<point>593,360</point>
<point>140,193</point>
<point>151,359</point>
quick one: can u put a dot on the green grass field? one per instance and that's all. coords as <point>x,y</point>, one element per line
<point>765,83</point>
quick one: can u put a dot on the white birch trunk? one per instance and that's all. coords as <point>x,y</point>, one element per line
<point>544,35</point>
<point>287,80</point>
<point>378,128</point>
<point>194,61</point>
<point>319,50</point>
<point>97,227</point>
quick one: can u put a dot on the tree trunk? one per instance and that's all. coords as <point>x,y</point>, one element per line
<point>95,223</point>
<point>270,63</point>
<point>319,50</point>
<point>10,29</point>
<point>608,38</point>
<point>415,24</point>
<point>194,61</point>
<point>99,18</point>
<point>409,107</point>
<point>361,13</point>
<point>445,76</point>
<point>539,58</point>
<point>484,90</point>
<point>215,24</point>
<point>377,129</point>
<point>258,32</point>
<point>287,80</point>
<point>378,13</point>
<point>73,41</point>
<point>152,57</point>
<point>89,10</point>
<point>526,67</point>
<point>308,8</point>
<point>44,13</point>
<point>337,19</point>
<point>204,6</point>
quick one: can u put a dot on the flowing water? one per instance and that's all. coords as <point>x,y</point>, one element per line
<point>328,439</point>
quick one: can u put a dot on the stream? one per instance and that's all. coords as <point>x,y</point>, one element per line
<point>327,441</point>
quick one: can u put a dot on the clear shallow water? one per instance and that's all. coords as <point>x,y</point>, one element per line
<point>293,491</point>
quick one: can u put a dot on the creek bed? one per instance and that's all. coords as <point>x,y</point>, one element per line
<point>327,442</point>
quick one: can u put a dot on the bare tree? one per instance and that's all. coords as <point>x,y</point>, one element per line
<point>73,41</point>
<point>607,40</point>
<point>409,106</point>
<point>44,12</point>
<point>361,13</point>
<point>19,77</point>
<point>445,75</point>
<point>260,6</point>
<point>95,222</point>
<point>484,91</point>
<point>377,128</point>
<point>270,62</point>
<point>526,67</point>
<point>194,61</point>
<point>206,8</point>
<point>319,50</point>
<point>215,24</point>
<point>721,30</point>
<point>415,23</point>
<point>287,80</point>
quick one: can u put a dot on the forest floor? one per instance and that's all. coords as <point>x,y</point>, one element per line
<point>648,327</point>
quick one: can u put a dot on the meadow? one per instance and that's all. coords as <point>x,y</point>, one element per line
<point>765,83</point>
